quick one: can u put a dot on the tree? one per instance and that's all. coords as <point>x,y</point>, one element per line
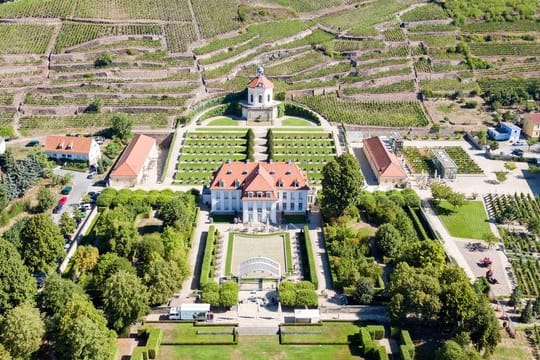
<point>484,328</point>
<point>42,243</point>
<point>458,299</point>
<point>115,231</point>
<point>306,297</point>
<point>22,331</point>
<point>411,198</point>
<point>527,313</point>
<point>490,239</point>
<point>45,199</point>
<point>423,254</point>
<point>533,225</point>
<point>125,300</point>
<point>4,354</point>
<point>57,292</point>
<point>16,283</point>
<point>121,126</point>
<point>456,199</point>
<point>531,141</point>
<point>81,332</point>
<point>86,258</point>
<point>67,224</point>
<point>107,265</point>
<point>210,293</point>
<point>388,240</point>
<point>341,185</point>
<point>177,212</point>
<point>105,59</point>
<point>451,350</point>
<point>228,294</point>
<point>440,191</point>
<point>515,297</point>
<point>364,292</point>
<point>162,278</point>
<point>407,286</point>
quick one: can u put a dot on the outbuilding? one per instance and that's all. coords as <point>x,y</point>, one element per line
<point>194,311</point>
<point>445,165</point>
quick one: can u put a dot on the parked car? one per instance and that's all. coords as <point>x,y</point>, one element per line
<point>99,140</point>
<point>66,190</point>
<point>62,201</point>
<point>518,152</point>
<point>32,143</point>
<point>57,209</point>
<point>519,143</point>
<point>85,207</point>
<point>92,175</point>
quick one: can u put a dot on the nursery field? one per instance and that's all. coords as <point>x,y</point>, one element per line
<point>421,160</point>
<point>507,208</point>
<point>378,113</point>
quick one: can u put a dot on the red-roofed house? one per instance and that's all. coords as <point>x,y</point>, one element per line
<point>140,155</point>
<point>531,125</point>
<point>72,148</point>
<point>260,190</point>
<point>383,163</point>
<point>260,104</point>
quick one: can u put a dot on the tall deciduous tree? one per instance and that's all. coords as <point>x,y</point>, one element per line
<point>45,199</point>
<point>484,328</point>
<point>16,283</point>
<point>107,265</point>
<point>451,350</point>
<point>178,212</point>
<point>57,292</point>
<point>457,297</point>
<point>162,278</point>
<point>4,354</point>
<point>22,331</point>
<point>67,224</point>
<point>456,199</point>
<point>86,258</point>
<point>388,240</point>
<point>42,243</point>
<point>228,294</point>
<point>341,185</point>
<point>440,191</point>
<point>115,231</point>
<point>82,332</point>
<point>125,300</point>
<point>121,126</point>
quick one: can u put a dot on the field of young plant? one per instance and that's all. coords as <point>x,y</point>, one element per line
<point>394,35</point>
<point>523,206</point>
<point>506,49</point>
<point>216,16</point>
<point>203,151</point>
<point>434,40</point>
<point>292,66</point>
<point>75,33</point>
<point>37,8</point>
<point>397,87</point>
<point>377,113</point>
<point>502,27</point>
<point>307,5</point>
<point>427,12</point>
<point>421,160</point>
<point>527,271</point>
<point>24,39</point>
<point>169,10</point>
<point>179,36</point>
<point>448,85</point>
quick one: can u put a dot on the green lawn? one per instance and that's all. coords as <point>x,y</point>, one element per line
<point>178,333</point>
<point>222,121</point>
<point>340,332</point>
<point>468,221</point>
<point>296,122</point>
<point>258,347</point>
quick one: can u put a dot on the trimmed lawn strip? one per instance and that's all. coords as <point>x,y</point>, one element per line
<point>288,252</point>
<point>186,333</point>
<point>222,121</point>
<point>468,221</point>
<point>329,333</point>
<point>296,122</point>
<point>228,260</point>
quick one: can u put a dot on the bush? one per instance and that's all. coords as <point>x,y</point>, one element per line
<point>205,268</point>
<point>407,347</point>
<point>295,110</point>
<point>105,59</point>
<point>404,352</point>
<point>154,341</point>
<point>376,331</point>
<point>471,104</point>
<point>139,353</point>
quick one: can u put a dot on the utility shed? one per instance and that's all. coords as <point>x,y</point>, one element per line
<point>194,311</point>
<point>307,316</point>
<point>446,166</point>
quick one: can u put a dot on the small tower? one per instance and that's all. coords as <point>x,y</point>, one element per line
<point>260,104</point>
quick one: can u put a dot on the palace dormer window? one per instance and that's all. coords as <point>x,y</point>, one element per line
<point>268,194</point>
<point>229,172</point>
<point>280,183</point>
<point>244,172</point>
<point>250,195</point>
<point>296,183</point>
<point>236,183</point>
<point>288,172</point>
<point>221,183</point>
<point>259,194</point>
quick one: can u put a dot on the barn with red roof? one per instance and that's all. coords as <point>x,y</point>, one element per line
<point>383,162</point>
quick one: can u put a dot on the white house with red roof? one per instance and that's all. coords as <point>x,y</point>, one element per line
<point>259,190</point>
<point>72,148</point>
<point>139,156</point>
<point>383,163</point>
<point>531,125</point>
<point>260,104</point>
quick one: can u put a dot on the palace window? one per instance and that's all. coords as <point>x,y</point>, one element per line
<point>260,99</point>
<point>250,195</point>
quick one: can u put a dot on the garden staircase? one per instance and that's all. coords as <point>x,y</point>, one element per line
<point>260,144</point>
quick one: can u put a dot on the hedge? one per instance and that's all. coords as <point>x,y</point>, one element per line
<point>299,111</point>
<point>310,258</point>
<point>406,348</point>
<point>154,341</point>
<point>205,268</point>
<point>139,353</point>
<point>405,353</point>
<point>376,331</point>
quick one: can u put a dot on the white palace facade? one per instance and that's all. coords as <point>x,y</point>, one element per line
<point>259,191</point>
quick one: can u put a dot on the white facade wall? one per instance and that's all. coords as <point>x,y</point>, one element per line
<point>260,96</point>
<point>92,157</point>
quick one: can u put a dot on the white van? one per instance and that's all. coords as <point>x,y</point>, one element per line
<point>174,313</point>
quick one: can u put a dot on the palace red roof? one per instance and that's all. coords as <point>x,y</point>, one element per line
<point>68,144</point>
<point>385,162</point>
<point>261,82</point>
<point>259,176</point>
<point>535,117</point>
<point>132,160</point>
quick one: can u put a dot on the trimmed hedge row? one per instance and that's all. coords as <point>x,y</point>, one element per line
<point>299,111</point>
<point>209,246</point>
<point>151,350</point>
<point>406,348</point>
<point>368,347</point>
<point>312,269</point>
<point>376,331</point>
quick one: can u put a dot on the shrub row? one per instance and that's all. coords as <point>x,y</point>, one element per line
<point>151,350</point>
<point>420,231</point>
<point>311,268</point>
<point>205,268</point>
<point>299,111</point>
<point>369,348</point>
<point>376,331</point>
<point>406,347</point>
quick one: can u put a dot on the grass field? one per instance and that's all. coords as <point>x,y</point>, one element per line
<point>468,221</point>
<point>222,121</point>
<point>259,348</point>
<point>327,333</point>
<point>290,121</point>
<point>186,333</point>
<point>272,246</point>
